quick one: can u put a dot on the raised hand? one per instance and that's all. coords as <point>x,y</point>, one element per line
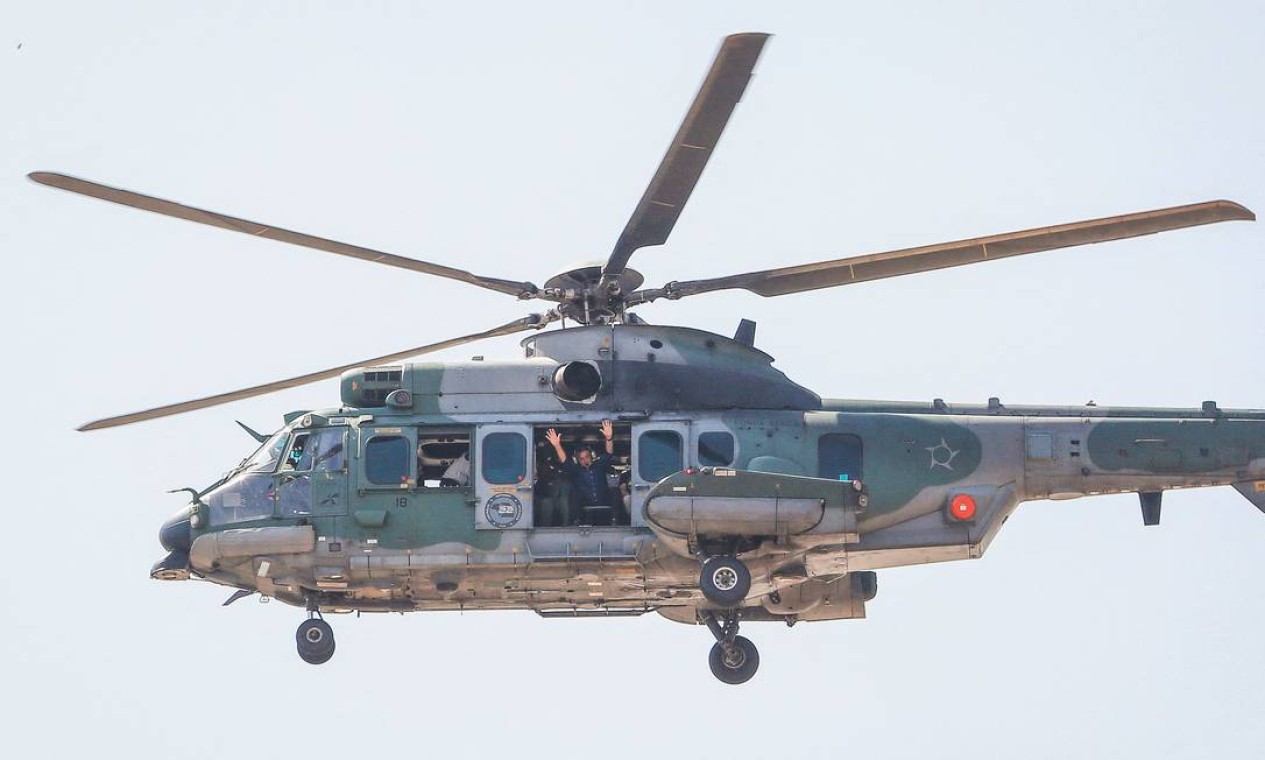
<point>555,439</point>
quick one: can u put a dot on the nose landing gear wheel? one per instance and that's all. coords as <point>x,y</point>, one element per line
<point>736,662</point>
<point>725,581</point>
<point>315,641</point>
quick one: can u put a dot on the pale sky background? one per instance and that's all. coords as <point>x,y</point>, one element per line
<point>511,139</point>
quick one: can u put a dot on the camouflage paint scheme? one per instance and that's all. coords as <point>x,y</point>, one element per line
<point>361,546</point>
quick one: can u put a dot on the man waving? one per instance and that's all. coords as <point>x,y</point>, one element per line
<point>587,474</point>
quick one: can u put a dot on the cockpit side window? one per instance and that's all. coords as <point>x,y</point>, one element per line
<point>320,450</point>
<point>299,457</point>
<point>330,453</point>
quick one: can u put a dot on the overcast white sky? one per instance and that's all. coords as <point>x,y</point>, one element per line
<point>511,139</point>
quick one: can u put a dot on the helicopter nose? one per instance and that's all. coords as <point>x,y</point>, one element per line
<point>176,535</point>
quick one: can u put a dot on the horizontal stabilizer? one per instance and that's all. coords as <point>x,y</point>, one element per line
<point>1253,491</point>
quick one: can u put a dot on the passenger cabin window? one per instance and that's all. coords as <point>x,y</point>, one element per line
<point>839,456</point>
<point>387,460</point>
<point>658,454</point>
<point>504,458</point>
<point>715,449</point>
<point>443,458</point>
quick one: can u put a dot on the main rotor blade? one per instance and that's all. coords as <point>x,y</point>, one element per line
<point>532,322</point>
<point>877,266</point>
<point>656,214</point>
<point>180,211</point>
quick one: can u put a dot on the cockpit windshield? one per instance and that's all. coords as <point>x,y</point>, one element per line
<point>266,457</point>
<point>247,493</point>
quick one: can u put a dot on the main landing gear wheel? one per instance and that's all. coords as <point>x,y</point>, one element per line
<point>736,662</point>
<point>725,581</point>
<point>733,658</point>
<point>315,640</point>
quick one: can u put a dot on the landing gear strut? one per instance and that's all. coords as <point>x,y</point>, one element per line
<point>315,640</point>
<point>733,659</point>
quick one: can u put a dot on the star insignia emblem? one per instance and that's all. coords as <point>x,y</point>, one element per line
<point>942,455</point>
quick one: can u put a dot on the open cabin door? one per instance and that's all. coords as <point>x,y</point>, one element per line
<point>502,477</point>
<point>659,450</point>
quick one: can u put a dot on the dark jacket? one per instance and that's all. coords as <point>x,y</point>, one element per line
<point>589,483</point>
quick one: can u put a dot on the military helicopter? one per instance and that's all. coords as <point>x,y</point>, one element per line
<point>721,491</point>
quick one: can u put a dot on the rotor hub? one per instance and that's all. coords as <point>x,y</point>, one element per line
<point>585,278</point>
<point>585,299</point>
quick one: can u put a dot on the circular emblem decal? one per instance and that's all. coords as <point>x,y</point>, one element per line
<point>503,510</point>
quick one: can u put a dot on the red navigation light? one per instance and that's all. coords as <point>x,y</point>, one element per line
<point>962,507</point>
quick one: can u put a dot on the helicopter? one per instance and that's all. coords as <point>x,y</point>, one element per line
<point>621,468</point>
